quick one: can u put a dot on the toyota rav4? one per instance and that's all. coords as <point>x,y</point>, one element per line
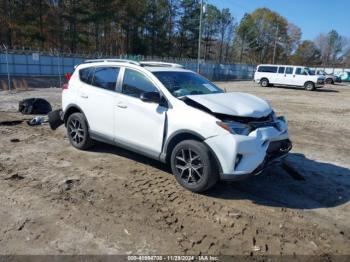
<point>175,116</point>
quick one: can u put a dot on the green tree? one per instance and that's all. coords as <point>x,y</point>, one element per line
<point>260,32</point>
<point>210,29</point>
<point>188,28</point>
<point>225,20</point>
<point>306,54</point>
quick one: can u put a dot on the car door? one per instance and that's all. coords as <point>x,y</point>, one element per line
<point>139,124</point>
<point>96,98</point>
<point>288,76</point>
<point>301,76</point>
<point>280,75</point>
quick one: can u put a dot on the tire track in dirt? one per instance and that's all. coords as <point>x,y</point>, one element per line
<point>184,214</point>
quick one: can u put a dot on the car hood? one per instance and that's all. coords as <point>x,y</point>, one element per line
<point>235,104</point>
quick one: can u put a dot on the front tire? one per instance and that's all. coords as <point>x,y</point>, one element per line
<point>193,166</point>
<point>329,81</point>
<point>78,131</point>
<point>309,86</point>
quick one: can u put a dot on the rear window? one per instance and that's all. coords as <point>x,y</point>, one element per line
<point>105,77</point>
<point>86,75</point>
<point>267,69</point>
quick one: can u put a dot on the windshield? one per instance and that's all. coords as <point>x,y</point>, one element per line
<point>186,83</point>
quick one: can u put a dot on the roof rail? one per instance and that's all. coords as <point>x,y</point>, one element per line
<point>112,60</point>
<point>155,63</point>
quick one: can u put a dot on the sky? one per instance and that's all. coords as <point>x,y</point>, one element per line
<point>312,16</point>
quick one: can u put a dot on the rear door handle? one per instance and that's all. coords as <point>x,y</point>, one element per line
<point>121,105</point>
<point>84,96</point>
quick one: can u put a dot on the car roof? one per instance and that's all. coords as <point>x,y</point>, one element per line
<point>151,66</point>
<point>282,65</point>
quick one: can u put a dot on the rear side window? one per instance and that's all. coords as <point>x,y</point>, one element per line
<point>267,69</point>
<point>86,75</point>
<point>105,77</point>
<point>281,69</point>
<point>289,70</point>
<point>135,83</point>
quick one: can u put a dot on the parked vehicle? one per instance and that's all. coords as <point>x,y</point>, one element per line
<point>286,75</point>
<point>329,78</point>
<point>175,116</point>
<point>344,76</point>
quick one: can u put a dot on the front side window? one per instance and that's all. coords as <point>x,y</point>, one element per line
<point>136,83</point>
<point>281,70</point>
<point>300,71</point>
<point>86,74</point>
<point>289,70</point>
<point>105,77</point>
<point>186,83</point>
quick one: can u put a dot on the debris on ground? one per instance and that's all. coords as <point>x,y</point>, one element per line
<point>34,106</point>
<point>11,123</point>
<point>38,120</point>
<point>55,119</point>
<point>15,177</point>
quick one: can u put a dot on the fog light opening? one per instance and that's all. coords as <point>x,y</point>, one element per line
<point>238,160</point>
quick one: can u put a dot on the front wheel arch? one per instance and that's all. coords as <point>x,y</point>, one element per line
<point>309,85</point>
<point>180,136</point>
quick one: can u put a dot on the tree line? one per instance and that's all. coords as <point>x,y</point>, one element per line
<point>164,28</point>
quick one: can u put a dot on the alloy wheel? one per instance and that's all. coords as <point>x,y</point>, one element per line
<point>189,166</point>
<point>76,131</point>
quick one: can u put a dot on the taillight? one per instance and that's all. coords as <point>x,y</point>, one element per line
<point>68,76</point>
<point>65,86</point>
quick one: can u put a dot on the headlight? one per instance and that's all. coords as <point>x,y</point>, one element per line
<point>235,127</point>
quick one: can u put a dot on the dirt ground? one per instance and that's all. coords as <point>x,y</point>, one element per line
<point>55,199</point>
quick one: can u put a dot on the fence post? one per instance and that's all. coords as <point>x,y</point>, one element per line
<point>7,68</point>
<point>58,68</point>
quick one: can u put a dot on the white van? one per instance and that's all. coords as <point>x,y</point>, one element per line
<point>287,75</point>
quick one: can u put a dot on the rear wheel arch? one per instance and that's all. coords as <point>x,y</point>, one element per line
<point>263,81</point>
<point>71,109</point>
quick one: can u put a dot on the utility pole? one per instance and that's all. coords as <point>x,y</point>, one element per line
<point>274,48</point>
<point>200,36</point>
<point>7,68</point>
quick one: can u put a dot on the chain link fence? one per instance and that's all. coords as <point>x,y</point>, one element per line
<point>31,63</point>
<point>54,65</point>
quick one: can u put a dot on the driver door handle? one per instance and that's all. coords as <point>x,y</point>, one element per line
<point>84,96</point>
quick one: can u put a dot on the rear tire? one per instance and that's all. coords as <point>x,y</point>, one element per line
<point>193,166</point>
<point>309,86</point>
<point>264,82</point>
<point>78,131</point>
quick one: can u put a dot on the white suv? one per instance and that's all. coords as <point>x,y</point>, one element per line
<point>287,75</point>
<point>175,116</point>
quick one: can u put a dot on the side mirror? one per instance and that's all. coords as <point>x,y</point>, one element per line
<point>151,97</point>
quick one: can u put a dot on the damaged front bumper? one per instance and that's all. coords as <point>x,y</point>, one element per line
<point>243,156</point>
